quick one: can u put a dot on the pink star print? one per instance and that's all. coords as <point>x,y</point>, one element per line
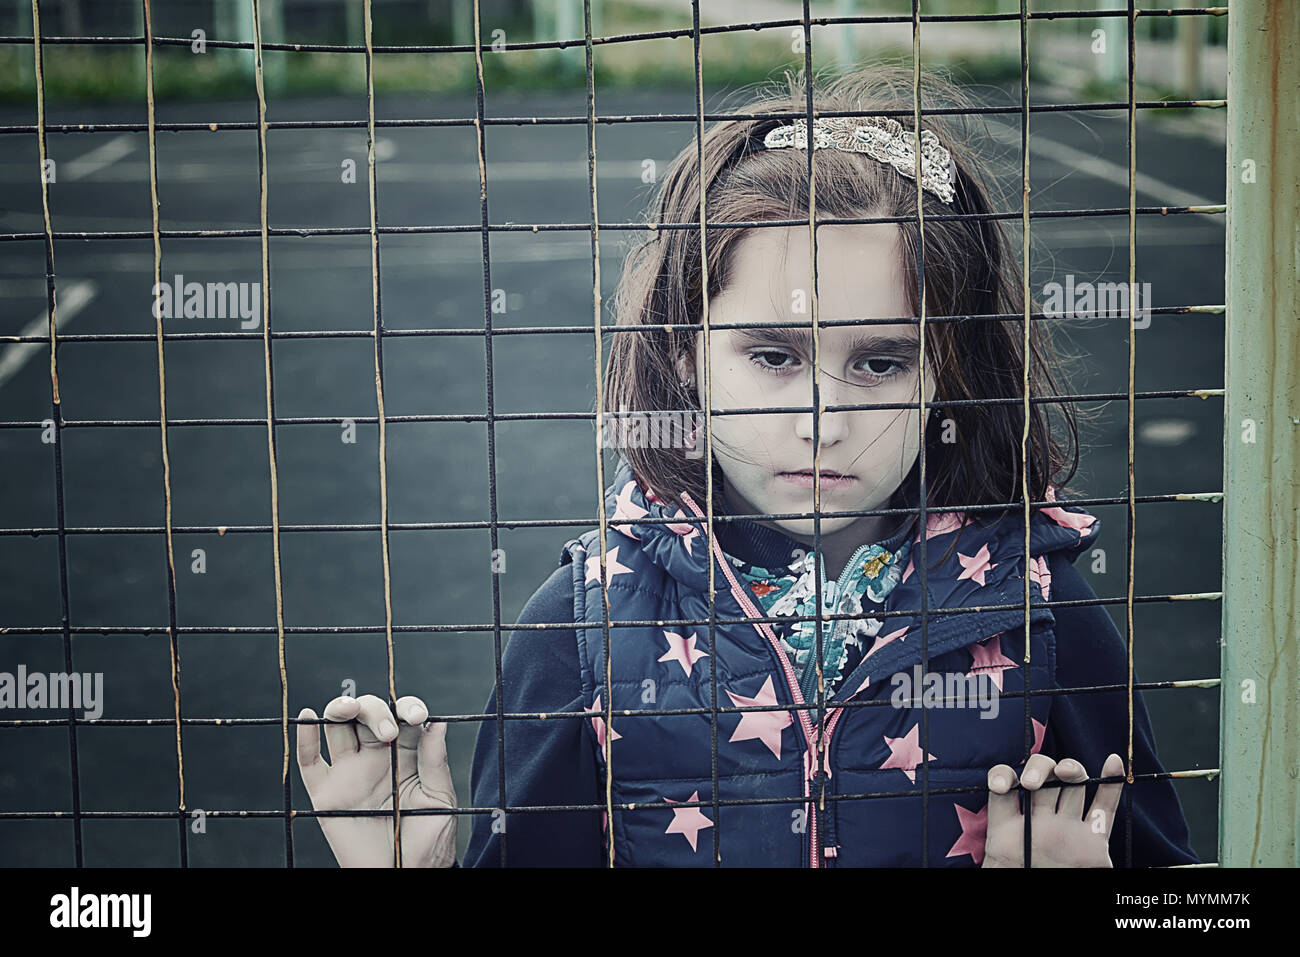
<point>598,723</point>
<point>688,821</point>
<point>990,660</point>
<point>612,567</point>
<point>764,725</point>
<point>682,650</point>
<point>882,640</point>
<point>974,566</point>
<point>974,829</point>
<point>1039,572</point>
<point>687,530</point>
<point>1040,732</point>
<point>1075,520</point>
<point>628,509</point>
<point>905,753</point>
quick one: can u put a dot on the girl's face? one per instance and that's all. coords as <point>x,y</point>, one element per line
<point>859,275</point>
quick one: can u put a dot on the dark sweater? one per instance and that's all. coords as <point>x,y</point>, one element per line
<point>552,762</point>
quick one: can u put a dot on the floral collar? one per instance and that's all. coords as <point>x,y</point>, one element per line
<point>788,589</point>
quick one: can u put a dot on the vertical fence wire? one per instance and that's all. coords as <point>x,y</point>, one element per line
<point>481,148</point>
<point>606,721</point>
<point>1027,706</point>
<point>56,416</point>
<point>172,636</point>
<point>817,780</point>
<point>1132,367</point>
<point>376,301</point>
<point>260,79</point>
<point>923,515</point>
<point>707,379</point>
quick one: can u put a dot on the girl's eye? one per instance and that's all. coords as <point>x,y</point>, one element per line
<point>891,367</point>
<point>771,360</point>
<point>877,368</point>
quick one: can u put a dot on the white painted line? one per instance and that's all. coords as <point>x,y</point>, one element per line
<point>1165,193</point>
<point>71,300</point>
<point>100,157</point>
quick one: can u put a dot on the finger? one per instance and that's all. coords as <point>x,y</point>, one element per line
<point>310,765</point>
<point>1073,794</point>
<point>412,710</point>
<point>1106,800</point>
<point>1004,799</point>
<point>411,714</point>
<point>341,735</point>
<point>435,774</point>
<point>375,723</point>
<point>1038,771</point>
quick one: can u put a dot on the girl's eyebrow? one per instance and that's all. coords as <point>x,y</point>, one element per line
<point>802,339</point>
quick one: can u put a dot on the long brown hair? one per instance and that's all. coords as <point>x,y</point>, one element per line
<point>970,270</point>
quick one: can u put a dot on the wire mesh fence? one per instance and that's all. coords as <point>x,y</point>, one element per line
<point>382,627</point>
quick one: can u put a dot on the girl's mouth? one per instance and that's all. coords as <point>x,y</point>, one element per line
<point>829,478</point>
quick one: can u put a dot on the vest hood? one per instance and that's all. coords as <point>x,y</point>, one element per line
<point>983,571</point>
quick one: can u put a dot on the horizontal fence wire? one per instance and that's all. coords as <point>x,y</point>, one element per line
<point>48,236</point>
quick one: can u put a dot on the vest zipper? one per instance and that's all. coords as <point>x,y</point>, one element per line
<point>832,591</point>
<point>751,608</point>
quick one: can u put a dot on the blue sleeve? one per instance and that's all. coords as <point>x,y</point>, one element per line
<point>547,762</point>
<point>1089,726</point>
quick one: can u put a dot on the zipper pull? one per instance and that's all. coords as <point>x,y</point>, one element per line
<point>829,592</point>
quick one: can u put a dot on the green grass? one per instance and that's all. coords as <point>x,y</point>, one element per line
<point>116,73</point>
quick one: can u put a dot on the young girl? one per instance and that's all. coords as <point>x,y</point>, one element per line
<point>908,736</point>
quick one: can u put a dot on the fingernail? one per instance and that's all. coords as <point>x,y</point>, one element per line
<point>386,728</point>
<point>999,781</point>
<point>1031,778</point>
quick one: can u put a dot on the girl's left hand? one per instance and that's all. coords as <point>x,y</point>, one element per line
<point>1061,836</point>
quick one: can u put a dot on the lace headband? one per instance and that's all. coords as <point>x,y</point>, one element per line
<point>880,137</point>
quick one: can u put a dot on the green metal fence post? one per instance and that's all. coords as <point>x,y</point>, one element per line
<point>1259,788</point>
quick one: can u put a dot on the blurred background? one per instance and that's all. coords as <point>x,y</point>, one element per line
<point>112,477</point>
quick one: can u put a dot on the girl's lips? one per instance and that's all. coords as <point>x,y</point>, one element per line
<point>805,479</point>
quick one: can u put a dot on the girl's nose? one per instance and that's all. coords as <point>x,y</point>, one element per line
<point>834,426</point>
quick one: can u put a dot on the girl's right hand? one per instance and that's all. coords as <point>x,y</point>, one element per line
<point>1063,836</point>
<point>359,777</point>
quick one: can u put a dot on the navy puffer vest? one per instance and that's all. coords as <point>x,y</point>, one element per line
<point>871,750</point>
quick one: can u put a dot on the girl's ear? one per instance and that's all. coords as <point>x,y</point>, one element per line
<point>686,369</point>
